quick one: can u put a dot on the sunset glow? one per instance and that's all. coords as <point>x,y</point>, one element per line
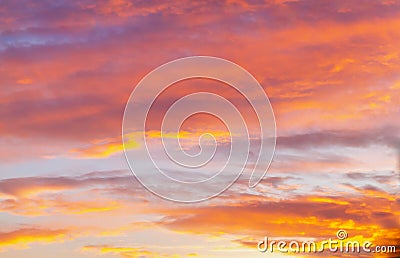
<point>331,70</point>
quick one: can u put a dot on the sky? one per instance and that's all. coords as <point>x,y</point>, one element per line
<point>331,70</point>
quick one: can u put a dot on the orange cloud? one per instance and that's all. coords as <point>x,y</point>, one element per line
<point>331,71</point>
<point>125,252</point>
<point>35,196</point>
<point>24,81</point>
<point>366,212</point>
<point>22,238</point>
<point>366,217</point>
<point>314,79</point>
<point>111,146</point>
<point>105,148</point>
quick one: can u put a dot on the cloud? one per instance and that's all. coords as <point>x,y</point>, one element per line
<point>125,252</point>
<point>381,136</point>
<point>22,238</point>
<point>367,209</point>
<point>306,73</point>
<point>107,147</point>
<point>38,196</point>
<point>30,186</point>
<point>330,70</point>
<point>371,213</point>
